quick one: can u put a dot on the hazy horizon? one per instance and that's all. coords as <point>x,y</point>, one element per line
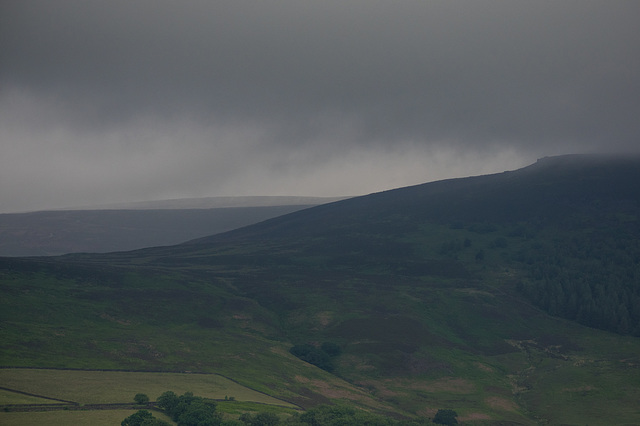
<point>117,102</point>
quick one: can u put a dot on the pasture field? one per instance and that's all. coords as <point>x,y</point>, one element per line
<point>66,418</point>
<point>8,397</point>
<point>109,387</point>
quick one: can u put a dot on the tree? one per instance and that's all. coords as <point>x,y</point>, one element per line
<point>265,419</point>
<point>260,419</point>
<point>313,355</point>
<point>199,413</point>
<point>446,417</point>
<point>189,410</point>
<point>143,418</point>
<point>136,419</point>
<point>141,398</point>
<point>168,401</point>
<point>334,415</point>
<point>331,349</point>
<point>154,422</point>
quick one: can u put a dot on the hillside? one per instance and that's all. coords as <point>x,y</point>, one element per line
<point>131,226</point>
<point>219,202</point>
<point>511,298</point>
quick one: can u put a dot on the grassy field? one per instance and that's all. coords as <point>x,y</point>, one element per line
<point>66,418</point>
<point>9,398</point>
<point>109,387</point>
<point>229,410</point>
<point>84,388</point>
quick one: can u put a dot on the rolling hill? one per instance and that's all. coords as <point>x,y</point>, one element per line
<point>131,226</point>
<point>511,298</point>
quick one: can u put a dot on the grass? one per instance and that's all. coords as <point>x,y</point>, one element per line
<point>10,398</point>
<point>233,409</point>
<point>464,326</point>
<point>575,394</point>
<point>113,387</point>
<point>108,387</point>
<point>441,330</point>
<point>71,417</point>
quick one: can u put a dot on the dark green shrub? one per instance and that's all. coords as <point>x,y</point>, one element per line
<point>136,419</point>
<point>446,417</point>
<point>189,410</point>
<point>331,349</point>
<point>141,398</point>
<point>313,355</point>
<point>260,419</point>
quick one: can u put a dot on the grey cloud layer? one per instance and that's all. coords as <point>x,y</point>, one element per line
<point>268,83</point>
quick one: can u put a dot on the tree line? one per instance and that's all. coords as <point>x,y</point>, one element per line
<point>190,410</point>
<point>591,277</point>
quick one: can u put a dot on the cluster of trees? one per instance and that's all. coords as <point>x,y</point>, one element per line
<point>185,410</point>
<point>190,410</point>
<point>321,357</point>
<point>592,278</point>
<point>143,418</point>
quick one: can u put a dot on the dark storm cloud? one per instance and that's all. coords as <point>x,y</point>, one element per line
<point>305,94</point>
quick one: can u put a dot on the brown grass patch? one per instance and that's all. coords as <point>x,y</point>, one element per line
<point>280,351</point>
<point>356,363</point>
<point>113,319</point>
<point>427,412</point>
<point>324,318</point>
<point>484,367</point>
<point>586,388</point>
<point>331,391</point>
<point>302,379</point>
<point>448,384</point>
<point>474,417</point>
<point>341,390</point>
<point>501,404</point>
<point>474,291</point>
<point>444,384</point>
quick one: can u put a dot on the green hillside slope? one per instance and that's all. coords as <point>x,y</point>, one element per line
<point>465,294</point>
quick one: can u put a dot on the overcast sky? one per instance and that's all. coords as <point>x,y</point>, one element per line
<point>115,101</point>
